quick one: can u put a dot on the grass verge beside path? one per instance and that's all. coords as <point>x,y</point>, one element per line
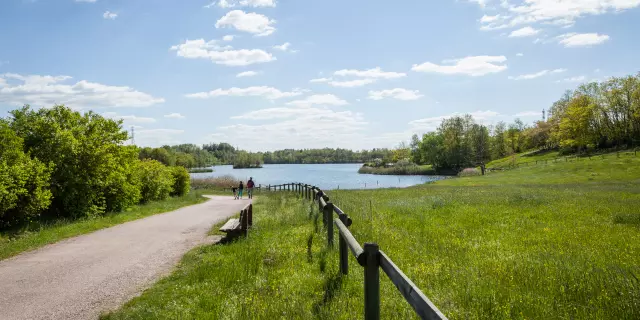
<point>559,241</point>
<point>11,246</point>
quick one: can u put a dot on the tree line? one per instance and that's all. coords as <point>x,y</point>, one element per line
<point>595,116</point>
<point>56,163</point>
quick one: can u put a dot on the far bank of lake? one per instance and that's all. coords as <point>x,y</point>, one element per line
<point>324,176</point>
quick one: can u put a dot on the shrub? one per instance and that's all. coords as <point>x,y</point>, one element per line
<point>23,182</point>
<point>181,181</point>
<point>156,180</point>
<point>91,166</point>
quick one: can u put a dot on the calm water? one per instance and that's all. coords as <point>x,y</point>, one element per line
<point>325,176</point>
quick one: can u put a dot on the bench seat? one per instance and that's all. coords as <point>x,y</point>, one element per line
<point>231,226</point>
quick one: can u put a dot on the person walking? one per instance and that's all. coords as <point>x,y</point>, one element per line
<point>235,192</point>
<point>250,185</point>
<point>240,188</point>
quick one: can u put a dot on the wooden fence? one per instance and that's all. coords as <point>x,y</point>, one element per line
<point>369,256</point>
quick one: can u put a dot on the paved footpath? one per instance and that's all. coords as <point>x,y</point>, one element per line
<point>80,277</point>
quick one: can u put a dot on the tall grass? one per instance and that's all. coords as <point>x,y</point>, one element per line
<point>214,183</point>
<point>556,241</point>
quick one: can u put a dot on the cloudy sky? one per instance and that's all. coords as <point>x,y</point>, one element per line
<point>270,74</point>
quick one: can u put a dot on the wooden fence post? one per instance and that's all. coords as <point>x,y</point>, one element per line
<point>250,212</point>
<point>243,221</point>
<point>372,282</point>
<point>344,251</point>
<point>328,214</point>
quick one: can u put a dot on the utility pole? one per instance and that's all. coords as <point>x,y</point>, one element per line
<point>133,136</point>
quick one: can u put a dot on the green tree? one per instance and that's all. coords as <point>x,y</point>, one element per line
<point>156,180</point>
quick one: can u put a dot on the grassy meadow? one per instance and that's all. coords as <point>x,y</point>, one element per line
<point>553,241</point>
<point>43,234</point>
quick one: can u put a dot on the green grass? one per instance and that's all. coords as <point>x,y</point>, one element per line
<point>11,245</point>
<point>200,170</point>
<point>555,241</point>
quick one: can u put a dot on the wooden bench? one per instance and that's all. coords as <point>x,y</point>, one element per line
<point>235,227</point>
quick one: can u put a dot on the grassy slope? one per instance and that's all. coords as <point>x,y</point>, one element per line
<point>555,241</point>
<point>62,230</point>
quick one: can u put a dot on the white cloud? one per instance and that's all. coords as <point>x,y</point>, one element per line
<point>528,114</point>
<point>267,92</point>
<point>487,19</point>
<point>537,74</point>
<point>351,83</point>
<point>560,13</point>
<point>481,3</point>
<point>319,99</point>
<point>519,54</point>
<point>110,15</point>
<point>296,127</point>
<point>582,39</point>
<point>228,37</point>
<point>255,23</point>
<point>49,90</point>
<point>247,74</point>
<point>371,73</point>
<point>129,119</point>
<point>284,47</point>
<point>158,137</point>
<point>320,80</point>
<point>576,79</point>
<point>201,49</point>
<point>431,124</point>
<point>174,116</point>
<point>524,32</point>
<point>397,93</point>
<point>242,3</point>
<point>472,66</point>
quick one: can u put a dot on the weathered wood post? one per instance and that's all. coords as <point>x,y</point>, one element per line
<point>244,221</point>
<point>328,214</point>
<point>250,212</point>
<point>344,251</point>
<point>372,282</point>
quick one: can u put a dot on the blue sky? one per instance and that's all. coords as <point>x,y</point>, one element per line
<point>265,74</point>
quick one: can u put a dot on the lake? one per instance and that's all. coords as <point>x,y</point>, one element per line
<point>324,176</point>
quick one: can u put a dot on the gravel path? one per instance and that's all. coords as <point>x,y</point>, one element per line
<point>78,278</point>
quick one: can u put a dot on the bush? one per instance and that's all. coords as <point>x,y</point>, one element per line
<point>23,182</point>
<point>91,166</point>
<point>181,181</point>
<point>156,180</point>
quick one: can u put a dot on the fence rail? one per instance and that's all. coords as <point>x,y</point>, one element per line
<point>369,256</point>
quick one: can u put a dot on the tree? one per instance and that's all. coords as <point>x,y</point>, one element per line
<point>480,145</point>
<point>415,149</point>
<point>185,160</point>
<point>499,147</point>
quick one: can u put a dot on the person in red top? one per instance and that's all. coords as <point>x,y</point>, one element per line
<point>250,185</point>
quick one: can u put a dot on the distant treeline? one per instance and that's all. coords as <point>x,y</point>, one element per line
<point>595,116</point>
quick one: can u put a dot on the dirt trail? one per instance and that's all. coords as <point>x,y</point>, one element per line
<point>80,277</point>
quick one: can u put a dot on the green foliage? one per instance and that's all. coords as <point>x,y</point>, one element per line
<point>91,167</point>
<point>411,169</point>
<point>162,155</point>
<point>181,181</point>
<point>156,180</point>
<point>247,160</point>
<point>185,160</point>
<point>23,182</point>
